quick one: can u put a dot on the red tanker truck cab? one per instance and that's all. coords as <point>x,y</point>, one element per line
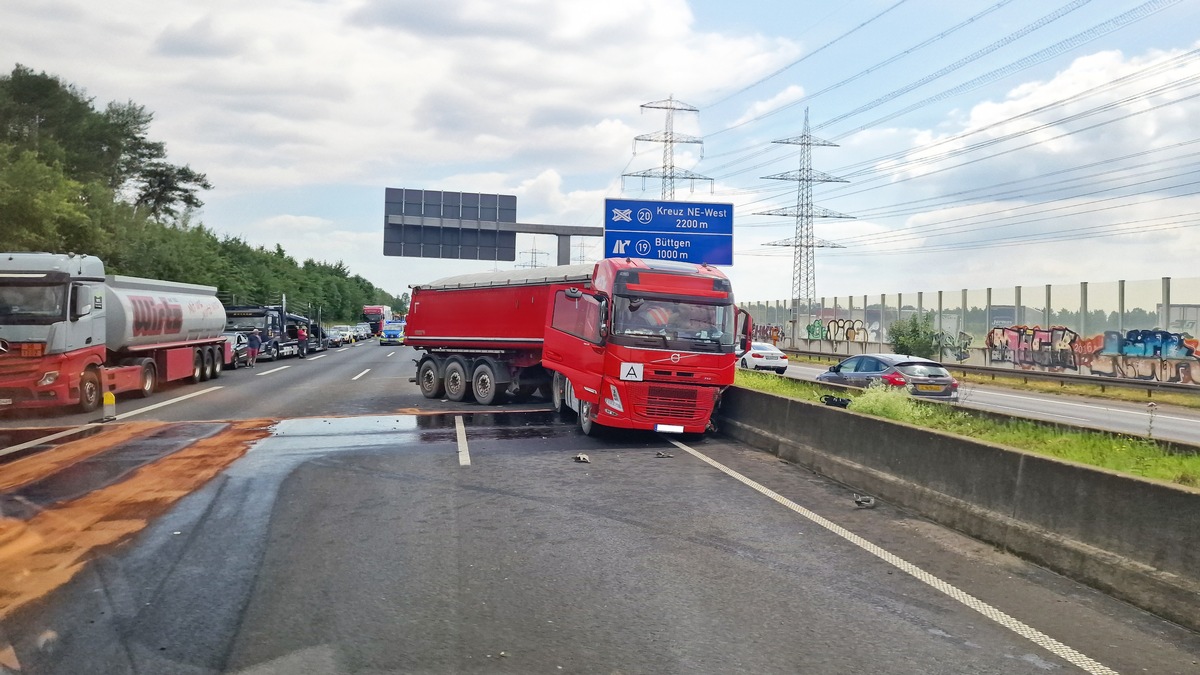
<point>69,333</point>
<point>627,343</point>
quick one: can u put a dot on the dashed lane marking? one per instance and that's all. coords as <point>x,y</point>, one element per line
<point>1037,637</point>
<point>318,356</point>
<point>44,439</point>
<point>177,399</point>
<point>273,370</point>
<point>389,354</point>
<point>464,456</point>
<point>360,374</point>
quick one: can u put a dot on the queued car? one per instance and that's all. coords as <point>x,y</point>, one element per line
<point>346,331</point>
<point>921,377</point>
<point>764,356</point>
<point>363,331</point>
<point>392,333</point>
<point>237,349</point>
<point>335,337</point>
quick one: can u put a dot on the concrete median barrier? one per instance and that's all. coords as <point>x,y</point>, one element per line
<point>1133,538</point>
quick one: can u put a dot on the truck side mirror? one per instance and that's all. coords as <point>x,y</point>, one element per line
<point>82,305</point>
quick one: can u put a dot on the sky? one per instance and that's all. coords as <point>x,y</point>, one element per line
<point>983,144</point>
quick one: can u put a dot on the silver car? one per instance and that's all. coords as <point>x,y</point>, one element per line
<point>921,377</point>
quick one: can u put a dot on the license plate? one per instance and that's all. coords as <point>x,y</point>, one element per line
<point>772,358</point>
<point>669,428</point>
<point>929,387</point>
<point>5,401</point>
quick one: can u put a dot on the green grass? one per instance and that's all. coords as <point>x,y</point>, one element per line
<point>1127,454</point>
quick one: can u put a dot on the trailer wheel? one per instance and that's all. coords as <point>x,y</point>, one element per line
<point>89,391</point>
<point>206,367</point>
<point>197,368</point>
<point>218,361</point>
<point>428,380</point>
<point>558,393</point>
<point>149,379</point>
<point>457,382</point>
<point>483,383</point>
<point>586,425</point>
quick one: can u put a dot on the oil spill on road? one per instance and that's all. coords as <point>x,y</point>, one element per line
<point>19,436</point>
<point>45,551</point>
<point>67,451</point>
<point>104,469</point>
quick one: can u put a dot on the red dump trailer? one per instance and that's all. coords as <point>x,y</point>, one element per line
<point>625,343</point>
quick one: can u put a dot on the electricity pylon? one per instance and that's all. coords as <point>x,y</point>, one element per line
<point>668,172</point>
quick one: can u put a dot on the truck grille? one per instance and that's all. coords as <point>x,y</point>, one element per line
<point>656,402</point>
<point>13,365</point>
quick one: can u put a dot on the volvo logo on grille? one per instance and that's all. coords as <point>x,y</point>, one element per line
<point>3,346</point>
<point>675,358</point>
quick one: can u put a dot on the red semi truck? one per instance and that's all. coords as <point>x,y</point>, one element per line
<point>376,315</point>
<point>628,343</point>
<point>68,333</point>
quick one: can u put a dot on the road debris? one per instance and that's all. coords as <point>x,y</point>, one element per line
<point>582,458</point>
<point>661,454</point>
<point>864,501</point>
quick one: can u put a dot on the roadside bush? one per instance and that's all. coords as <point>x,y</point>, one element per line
<point>913,336</point>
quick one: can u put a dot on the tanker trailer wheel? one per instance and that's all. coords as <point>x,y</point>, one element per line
<point>218,361</point>
<point>149,379</point>
<point>586,425</point>
<point>457,382</point>
<point>428,380</point>
<point>206,369</point>
<point>483,384</point>
<point>197,368</point>
<point>89,390</point>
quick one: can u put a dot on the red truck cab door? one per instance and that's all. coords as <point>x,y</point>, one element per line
<point>745,328</point>
<point>574,341</point>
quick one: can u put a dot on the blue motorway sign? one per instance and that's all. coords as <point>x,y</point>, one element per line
<point>694,232</point>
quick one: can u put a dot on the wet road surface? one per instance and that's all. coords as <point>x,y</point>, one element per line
<point>365,544</point>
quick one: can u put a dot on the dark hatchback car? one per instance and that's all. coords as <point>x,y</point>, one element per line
<point>921,377</point>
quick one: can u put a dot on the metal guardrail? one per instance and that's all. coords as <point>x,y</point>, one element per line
<point>1150,386</point>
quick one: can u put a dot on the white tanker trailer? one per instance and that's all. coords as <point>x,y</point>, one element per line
<point>68,333</point>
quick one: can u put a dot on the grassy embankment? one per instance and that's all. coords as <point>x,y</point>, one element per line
<point>1128,454</point>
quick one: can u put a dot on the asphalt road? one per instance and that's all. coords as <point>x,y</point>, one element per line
<point>376,531</point>
<point>1169,422</point>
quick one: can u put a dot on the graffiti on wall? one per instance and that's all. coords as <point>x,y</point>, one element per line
<point>815,330</point>
<point>1138,354</point>
<point>1051,349</point>
<point>957,347</point>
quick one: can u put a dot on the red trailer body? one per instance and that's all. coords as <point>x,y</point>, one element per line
<point>623,343</point>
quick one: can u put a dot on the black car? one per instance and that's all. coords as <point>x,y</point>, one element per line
<point>921,377</point>
<point>237,350</point>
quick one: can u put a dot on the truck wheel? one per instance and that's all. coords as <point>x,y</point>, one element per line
<point>558,393</point>
<point>206,369</point>
<point>428,380</point>
<point>483,383</point>
<point>586,425</point>
<point>89,391</point>
<point>197,368</point>
<point>456,381</point>
<point>271,353</point>
<point>149,379</point>
<point>218,361</point>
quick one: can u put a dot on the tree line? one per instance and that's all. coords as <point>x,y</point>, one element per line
<point>75,178</point>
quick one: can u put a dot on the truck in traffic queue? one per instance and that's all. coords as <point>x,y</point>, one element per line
<point>69,333</point>
<point>375,315</point>
<point>276,326</point>
<point>626,343</point>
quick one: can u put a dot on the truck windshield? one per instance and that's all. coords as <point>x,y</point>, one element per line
<point>673,320</point>
<point>246,323</point>
<point>32,304</point>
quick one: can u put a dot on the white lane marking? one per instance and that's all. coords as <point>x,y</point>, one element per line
<point>464,456</point>
<point>1037,637</point>
<point>318,356</point>
<point>1035,412</point>
<point>389,354</point>
<point>273,370</point>
<point>343,349</point>
<point>360,374</point>
<point>177,399</point>
<point>45,439</point>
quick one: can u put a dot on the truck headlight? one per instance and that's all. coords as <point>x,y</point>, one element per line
<point>615,401</point>
<point>48,378</point>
